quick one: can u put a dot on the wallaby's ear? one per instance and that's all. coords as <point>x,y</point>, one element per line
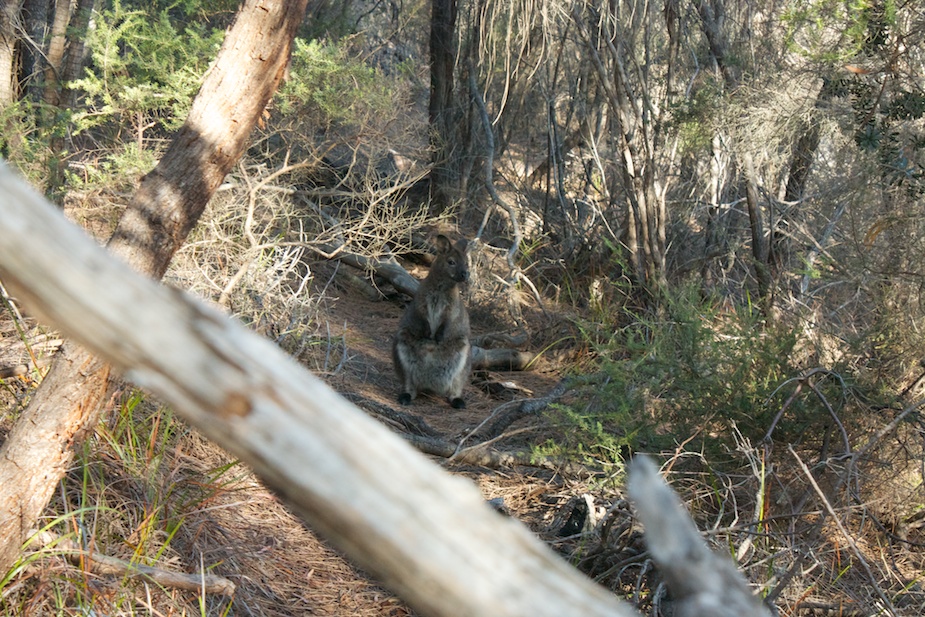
<point>443,244</point>
<point>463,246</point>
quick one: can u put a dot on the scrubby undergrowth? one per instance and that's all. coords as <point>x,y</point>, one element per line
<point>789,425</point>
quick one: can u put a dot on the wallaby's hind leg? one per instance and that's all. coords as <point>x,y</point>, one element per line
<point>460,375</point>
<point>405,373</point>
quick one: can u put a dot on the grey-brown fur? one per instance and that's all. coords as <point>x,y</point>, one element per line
<point>431,348</point>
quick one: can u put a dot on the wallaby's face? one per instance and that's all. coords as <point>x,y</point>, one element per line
<point>452,260</point>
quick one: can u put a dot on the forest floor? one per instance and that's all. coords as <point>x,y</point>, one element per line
<point>148,489</point>
<point>191,504</point>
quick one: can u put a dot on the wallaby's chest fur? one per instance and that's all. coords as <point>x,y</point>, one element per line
<point>431,348</point>
<point>442,311</point>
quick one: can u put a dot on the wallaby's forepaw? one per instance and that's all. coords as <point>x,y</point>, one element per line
<point>404,398</point>
<point>458,403</point>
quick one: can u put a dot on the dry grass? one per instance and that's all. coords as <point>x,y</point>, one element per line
<point>147,489</point>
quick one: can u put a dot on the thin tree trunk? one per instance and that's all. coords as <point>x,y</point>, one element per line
<point>801,162</point>
<point>59,93</point>
<point>804,153</point>
<point>442,105</point>
<point>714,232</point>
<point>163,210</point>
<point>35,14</point>
<point>55,54</point>
<point>74,61</point>
<point>760,243</point>
<point>9,14</point>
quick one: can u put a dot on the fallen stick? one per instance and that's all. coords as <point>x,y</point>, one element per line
<point>113,566</point>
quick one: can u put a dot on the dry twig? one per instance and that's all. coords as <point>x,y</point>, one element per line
<point>113,566</point>
<point>887,605</point>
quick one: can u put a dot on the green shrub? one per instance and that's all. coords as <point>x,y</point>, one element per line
<point>25,142</point>
<point>328,87</point>
<point>692,370</point>
<point>146,66</point>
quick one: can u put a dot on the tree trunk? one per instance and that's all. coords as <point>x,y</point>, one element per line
<point>163,210</point>
<point>55,54</point>
<point>76,52</point>
<point>442,106</point>
<point>760,242</point>
<point>35,14</point>
<point>59,93</point>
<point>9,14</point>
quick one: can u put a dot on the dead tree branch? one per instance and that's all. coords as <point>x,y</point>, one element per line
<point>887,604</point>
<point>501,359</point>
<point>525,408</point>
<point>113,566</point>
<point>387,268</point>
<point>359,485</point>
<point>484,456</point>
<point>701,581</point>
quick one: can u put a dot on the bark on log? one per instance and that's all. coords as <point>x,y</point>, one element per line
<point>481,455</point>
<point>427,535</point>
<point>501,359</point>
<point>387,268</point>
<point>164,209</point>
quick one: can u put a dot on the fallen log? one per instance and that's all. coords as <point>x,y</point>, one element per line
<point>501,359</point>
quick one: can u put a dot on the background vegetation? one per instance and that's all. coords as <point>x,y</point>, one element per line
<point>707,214</point>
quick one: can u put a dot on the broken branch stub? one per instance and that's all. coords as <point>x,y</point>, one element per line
<point>701,581</point>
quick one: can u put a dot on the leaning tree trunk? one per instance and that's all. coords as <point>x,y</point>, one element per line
<point>164,209</point>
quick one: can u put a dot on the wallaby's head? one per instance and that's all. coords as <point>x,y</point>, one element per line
<point>452,259</point>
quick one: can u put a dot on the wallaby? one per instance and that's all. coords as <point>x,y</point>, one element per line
<point>431,348</point>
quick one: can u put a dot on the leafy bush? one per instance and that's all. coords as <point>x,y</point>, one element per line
<point>25,142</point>
<point>145,69</point>
<point>328,86</point>
<point>690,371</point>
